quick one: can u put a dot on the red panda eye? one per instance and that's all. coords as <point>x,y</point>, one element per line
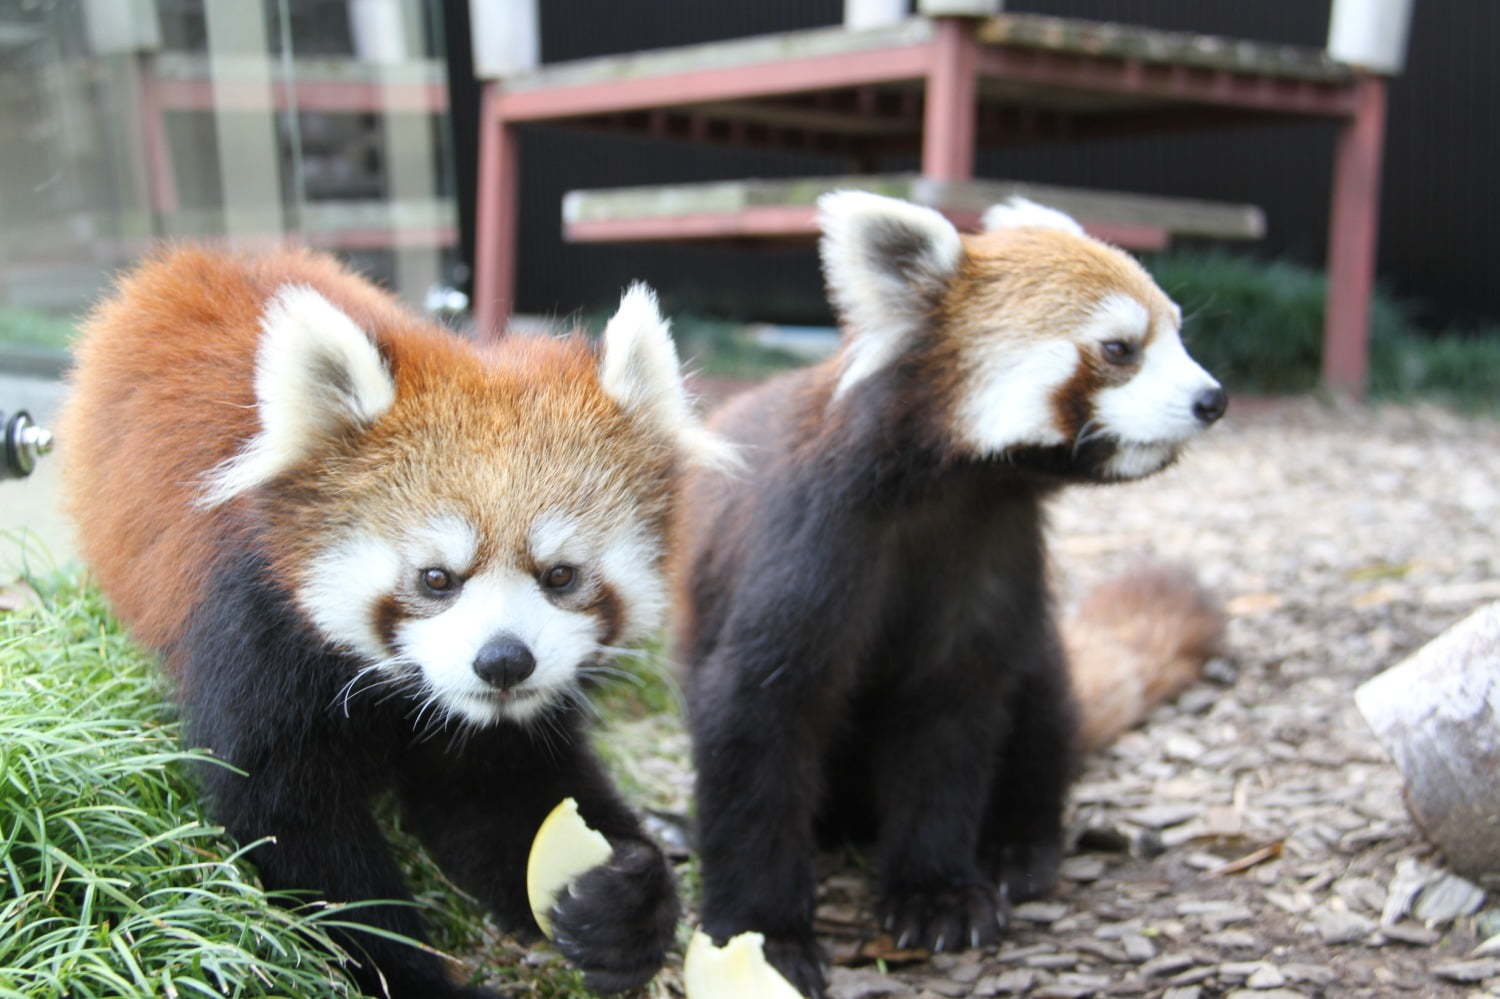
<point>559,577</point>
<point>438,580</point>
<point>1120,351</point>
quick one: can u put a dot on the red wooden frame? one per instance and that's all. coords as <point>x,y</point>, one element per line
<point>950,67</point>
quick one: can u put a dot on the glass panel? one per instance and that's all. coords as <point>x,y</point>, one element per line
<point>245,121</point>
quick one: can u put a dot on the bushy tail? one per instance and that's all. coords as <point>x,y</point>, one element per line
<point>1136,641</point>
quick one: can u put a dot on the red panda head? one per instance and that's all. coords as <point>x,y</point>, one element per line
<point>1037,343</point>
<point>480,526</point>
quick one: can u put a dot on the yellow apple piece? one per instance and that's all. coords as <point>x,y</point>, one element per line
<point>737,970</point>
<point>564,848</point>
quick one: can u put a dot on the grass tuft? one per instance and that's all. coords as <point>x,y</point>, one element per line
<point>32,328</point>
<point>115,884</point>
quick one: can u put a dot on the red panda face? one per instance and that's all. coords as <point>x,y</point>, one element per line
<point>481,627</point>
<point>1039,344</point>
<point>479,529</point>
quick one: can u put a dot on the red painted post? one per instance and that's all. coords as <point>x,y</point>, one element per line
<point>948,114</point>
<point>161,179</point>
<point>1353,227</point>
<point>495,227</point>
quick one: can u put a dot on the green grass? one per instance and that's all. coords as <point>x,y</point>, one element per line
<point>1258,326</point>
<point>719,348</point>
<point>1458,369</point>
<point>115,883</point>
<point>724,349</point>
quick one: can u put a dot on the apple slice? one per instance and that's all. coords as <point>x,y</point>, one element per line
<point>564,848</point>
<point>737,970</point>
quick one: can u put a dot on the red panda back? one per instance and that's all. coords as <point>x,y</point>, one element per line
<point>162,392</point>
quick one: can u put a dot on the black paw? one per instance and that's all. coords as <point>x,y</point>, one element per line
<point>616,921</point>
<point>799,961</point>
<point>943,916</point>
<point>1029,870</point>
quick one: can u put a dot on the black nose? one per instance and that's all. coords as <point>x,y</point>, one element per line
<point>1210,405</point>
<point>504,661</point>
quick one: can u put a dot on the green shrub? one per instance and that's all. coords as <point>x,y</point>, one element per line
<point>1461,370</point>
<point>1258,326</point>
<point>115,885</point>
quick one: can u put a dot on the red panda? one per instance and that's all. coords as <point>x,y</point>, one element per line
<point>864,619</point>
<point>377,559</point>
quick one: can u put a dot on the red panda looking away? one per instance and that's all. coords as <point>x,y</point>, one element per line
<point>864,618</point>
<point>375,558</point>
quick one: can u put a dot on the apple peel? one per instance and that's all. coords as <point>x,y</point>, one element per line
<point>564,847</point>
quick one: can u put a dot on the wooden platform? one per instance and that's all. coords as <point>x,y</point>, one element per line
<point>787,209</point>
<point>940,89</point>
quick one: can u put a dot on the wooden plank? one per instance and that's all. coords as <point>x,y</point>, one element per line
<point>711,83</point>
<point>738,53</point>
<point>1122,211</point>
<point>1047,72</point>
<point>797,223</point>
<point>1130,42</point>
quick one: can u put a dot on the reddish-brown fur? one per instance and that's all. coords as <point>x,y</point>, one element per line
<point>1137,640</point>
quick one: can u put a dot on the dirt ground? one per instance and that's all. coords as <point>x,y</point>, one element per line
<point>1251,840</point>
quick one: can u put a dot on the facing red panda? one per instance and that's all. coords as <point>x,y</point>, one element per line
<point>864,617</point>
<point>375,558</point>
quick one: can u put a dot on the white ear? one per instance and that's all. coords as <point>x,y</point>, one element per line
<point>1018,212</point>
<point>316,373</point>
<point>640,372</point>
<point>887,263</point>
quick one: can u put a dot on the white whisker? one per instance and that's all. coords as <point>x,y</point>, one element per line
<point>612,672</point>
<point>352,687</point>
<point>625,652</point>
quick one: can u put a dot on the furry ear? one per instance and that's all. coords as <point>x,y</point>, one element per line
<point>639,370</point>
<point>1019,212</point>
<point>887,263</point>
<point>316,373</point>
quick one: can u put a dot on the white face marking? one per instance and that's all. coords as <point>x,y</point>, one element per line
<point>1116,317</point>
<point>558,538</point>
<point>630,562</point>
<point>448,541</point>
<point>315,371</point>
<point>1131,461</point>
<point>1009,396</point>
<point>340,586</point>
<point>344,584</point>
<point>1156,405</point>
<point>491,604</point>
